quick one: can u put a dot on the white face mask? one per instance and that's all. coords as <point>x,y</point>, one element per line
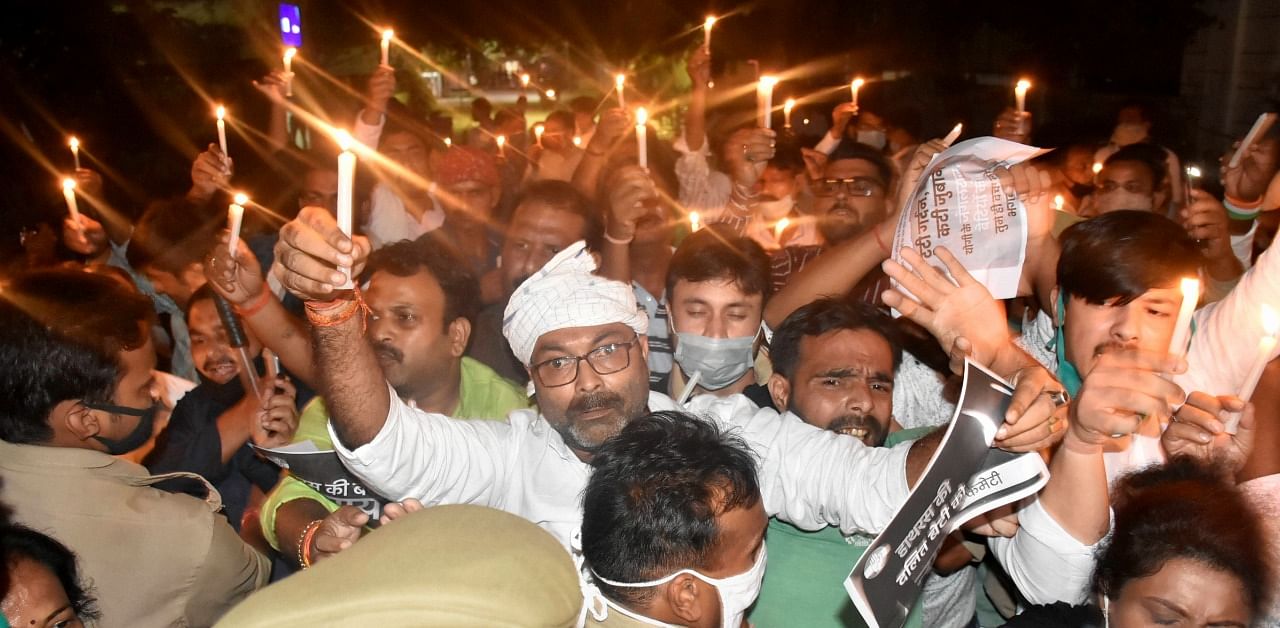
<point>773,210</point>
<point>719,361</point>
<point>737,593</point>
<point>873,138</point>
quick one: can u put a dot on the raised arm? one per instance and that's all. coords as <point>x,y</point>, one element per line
<point>630,190</point>
<point>695,117</point>
<point>612,126</point>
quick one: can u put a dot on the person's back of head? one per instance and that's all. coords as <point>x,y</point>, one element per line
<point>1123,254</point>
<point>1183,521</point>
<point>61,336</point>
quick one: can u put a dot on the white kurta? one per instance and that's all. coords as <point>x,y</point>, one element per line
<point>808,476</point>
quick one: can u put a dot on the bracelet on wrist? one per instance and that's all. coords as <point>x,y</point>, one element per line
<point>618,240</point>
<point>1240,210</point>
<point>255,305</point>
<point>304,543</point>
<point>338,311</point>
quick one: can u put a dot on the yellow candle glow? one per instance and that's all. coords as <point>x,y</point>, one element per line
<point>538,130</point>
<point>1097,167</point>
<point>786,112</point>
<point>346,189</point>
<point>502,143</point>
<point>1059,202</point>
<point>764,100</point>
<point>289,54</point>
<point>235,218</point>
<point>853,91</point>
<point>69,193</point>
<point>221,113</point>
<point>779,227</point>
<point>1190,288</point>
<point>620,86</point>
<point>551,94</point>
<point>524,81</point>
<point>706,31</point>
<point>386,46</point>
<point>642,136</point>
<point>1266,346</point>
<point>74,144</point>
<point>448,142</point>
<point>1020,93</point>
<point>694,224</point>
<point>577,141</point>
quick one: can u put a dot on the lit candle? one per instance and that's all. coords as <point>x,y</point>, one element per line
<point>786,112</point>
<point>954,134</point>
<point>69,193</point>
<point>386,46</point>
<point>1020,93</point>
<point>1267,345</point>
<point>551,94</point>
<point>524,81</point>
<point>1097,167</point>
<point>1182,326</point>
<point>1058,202</point>
<point>642,135</point>
<point>764,100</point>
<point>577,141</point>
<point>448,142</point>
<point>706,32</point>
<point>502,143</point>
<point>74,143</point>
<point>538,130</point>
<point>235,217</point>
<point>346,187</point>
<point>779,227</point>
<point>853,90</point>
<point>694,225</point>
<point>221,112</point>
<point>620,85</point>
<point>289,54</point>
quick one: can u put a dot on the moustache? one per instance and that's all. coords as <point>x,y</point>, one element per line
<point>594,401</point>
<point>1109,347</point>
<point>388,352</point>
<point>856,421</point>
<point>217,361</point>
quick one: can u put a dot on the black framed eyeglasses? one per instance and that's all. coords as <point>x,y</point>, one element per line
<point>604,360</point>
<point>857,186</point>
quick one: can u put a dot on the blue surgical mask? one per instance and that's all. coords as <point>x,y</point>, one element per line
<point>717,361</point>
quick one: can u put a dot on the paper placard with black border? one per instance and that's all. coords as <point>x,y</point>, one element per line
<point>886,581</point>
<point>322,470</point>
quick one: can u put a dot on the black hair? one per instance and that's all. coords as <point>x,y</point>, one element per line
<point>719,253</point>
<point>203,293</point>
<point>583,104</point>
<point>826,315</point>
<point>61,332</point>
<point>20,542</point>
<point>563,196</point>
<point>506,114</point>
<point>650,505</point>
<point>856,150</point>
<point>171,235</point>
<point>439,259</point>
<point>1149,156</point>
<point>563,116</point>
<point>1123,254</point>
<point>1183,509</point>
<point>788,158</point>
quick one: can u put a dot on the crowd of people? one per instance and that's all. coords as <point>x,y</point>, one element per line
<point>682,377</point>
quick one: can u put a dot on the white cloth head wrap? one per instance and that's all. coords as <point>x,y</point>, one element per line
<point>565,293</point>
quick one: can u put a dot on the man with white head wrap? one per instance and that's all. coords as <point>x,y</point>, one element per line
<point>581,336</point>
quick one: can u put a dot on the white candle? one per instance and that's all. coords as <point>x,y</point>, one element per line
<point>235,218</point>
<point>853,90</point>
<point>1182,326</point>
<point>1267,345</point>
<point>642,136</point>
<point>779,227</point>
<point>764,99</point>
<point>386,46</point>
<point>538,130</point>
<point>954,134</point>
<point>346,187</point>
<point>786,112</point>
<point>706,32</point>
<point>524,81</point>
<point>1020,93</point>
<point>1058,202</point>
<point>289,54</point>
<point>694,225</point>
<point>69,193</point>
<point>221,112</point>
<point>74,143</point>
<point>620,86</point>
<point>502,143</point>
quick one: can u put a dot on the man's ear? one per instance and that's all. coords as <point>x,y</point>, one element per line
<point>682,597</point>
<point>644,347</point>
<point>780,390</point>
<point>76,419</point>
<point>459,334</point>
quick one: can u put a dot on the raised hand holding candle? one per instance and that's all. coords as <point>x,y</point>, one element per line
<point>642,136</point>
<point>786,112</point>
<point>1182,326</point>
<point>386,46</point>
<point>764,99</point>
<point>74,143</point>
<point>853,92</point>
<point>1020,93</point>
<point>69,193</point>
<point>346,187</point>
<point>235,218</point>
<point>620,86</point>
<point>221,112</point>
<point>706,32</point>
<point>289,54</point>
<point>1266,346</point>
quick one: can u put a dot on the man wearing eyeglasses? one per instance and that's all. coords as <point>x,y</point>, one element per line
<point>584,341</point>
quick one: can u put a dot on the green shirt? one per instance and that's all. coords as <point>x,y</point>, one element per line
<point>804,582</point>
<point>483,394</point>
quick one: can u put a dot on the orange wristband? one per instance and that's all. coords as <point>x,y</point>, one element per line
<point>304,545</point>
<point>259,302</point>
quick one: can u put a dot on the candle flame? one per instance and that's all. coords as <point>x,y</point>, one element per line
<point>524,80</point>
<point>448,142</point>
<point>1270,320</point>
<point>1097,167</point>
<point>1193,171</point>
<point>781,226</point>
<point>693,220</point>
<point>388,34</point>
<point>577,140</point>
<point>551,94</point>
<point>642,116</point>
<point>343,138</point>
<point>538,130</point>
<point>290,53</point>
<point>768,81</point>
<point>74,143</point>
<point>620,80</point>
<point>789,105</point>
<point>502,141</point>
<point>1058,202</point>
<point>858,83</point>
<point>1190,288</point>
<point>710,21</point>
<point>241,198</point>
<point>68,183</point>
<point>221,112</point>
<point>1024,84</point>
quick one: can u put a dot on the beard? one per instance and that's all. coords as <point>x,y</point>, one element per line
<point>589,434</point>
<point>840,228</point>
<point>863,427</point>
<point>219,368</point>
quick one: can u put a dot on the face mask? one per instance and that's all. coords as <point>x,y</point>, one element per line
<point>718,361</point>
<point>737,593</point>
<point>135,439</point>
<point>1123,199</point>
<point>875,139</point>
<point>773,210</point>
<point>1128,133</point>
